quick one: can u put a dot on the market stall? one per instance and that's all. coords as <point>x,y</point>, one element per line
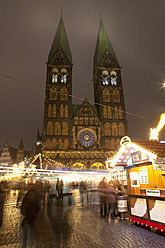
<point>145,165</point>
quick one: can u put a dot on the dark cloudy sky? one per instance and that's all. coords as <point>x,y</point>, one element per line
<point>136,29</point>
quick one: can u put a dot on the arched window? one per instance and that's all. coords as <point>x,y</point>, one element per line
<point>105,112</point>
<point>120,113</point>
<point>107,144</point>
<point>121,129</point>
<point>54,75</point>
<point>61,111</point>
<point>116,113</point>
<point>91,121</point>
<point>114,129</point>
<point>113,78</point>
<point>109,113</point>
<point>53,93</point>
<point>105,77</point>
<point>54,110</point>
<point>57,130</point>
<point>49,110</point>
<point>66,111</point>
<point>60,145</point>
<point>118,96</point>
<point>81,121</point>
<point>117,143</point>
<point>66,144</point>
<point>64,94</point>
<point>105,80</point>
<point>65,128</point>
<point>106,95</point>
<point>86,121</point>
<point>112,144</point>
<point>54,143</point>
<point>76,120</point>
<point>50,128</point>
<point>63,79</point>
<point>63,75</point>
<point>54,78</point>
<point>107,129</point>
<point>48,144</point>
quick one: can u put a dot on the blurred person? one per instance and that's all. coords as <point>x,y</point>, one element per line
<point>61,188</point>
<point>111,195</point>
<point>2,189</point>
<point>58,187</point>
<point>119,186</point>
<point>30,208</point>
<point>102,193</point>
<point>20,196</point>
<point>83,187</point>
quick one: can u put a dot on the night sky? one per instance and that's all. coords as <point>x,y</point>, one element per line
<point>136,31</point>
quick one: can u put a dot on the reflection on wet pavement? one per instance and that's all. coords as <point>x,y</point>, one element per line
<point>73,222</point>
<point>56,219</point>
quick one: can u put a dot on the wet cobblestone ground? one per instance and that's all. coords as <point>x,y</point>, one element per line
<point>73,222</point>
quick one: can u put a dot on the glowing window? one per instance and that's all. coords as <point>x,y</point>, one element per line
<point>54,78</point>
<point>63,78</point>
<point>105,80</point>
<point>113,78</point>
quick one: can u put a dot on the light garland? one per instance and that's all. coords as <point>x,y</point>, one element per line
<point>113,161</point>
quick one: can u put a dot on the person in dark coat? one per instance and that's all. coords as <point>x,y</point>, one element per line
<point>30,208</point>
<point>58,187</point>
<point>61,188</point>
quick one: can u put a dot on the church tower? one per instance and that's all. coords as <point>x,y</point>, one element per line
<point>108,92</point>
<point>57,123</point>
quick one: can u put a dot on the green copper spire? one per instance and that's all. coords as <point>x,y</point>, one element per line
<point>60,39</point>
<point>103,44</point>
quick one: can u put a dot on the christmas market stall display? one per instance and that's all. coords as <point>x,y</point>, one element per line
<point>145,164</point>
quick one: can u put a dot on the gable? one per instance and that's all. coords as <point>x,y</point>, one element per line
<point>85,110</point>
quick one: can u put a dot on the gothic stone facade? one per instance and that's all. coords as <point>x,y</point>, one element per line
<point>86,133</point>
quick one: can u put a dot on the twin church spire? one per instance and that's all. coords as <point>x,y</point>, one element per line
<point>103,44</point>
<point>69,130</point>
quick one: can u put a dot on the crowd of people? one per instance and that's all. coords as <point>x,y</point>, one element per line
<point>108,192</point>
<point>30,200</point>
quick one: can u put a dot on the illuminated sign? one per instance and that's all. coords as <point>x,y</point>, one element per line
<point>125,141</point>
<point>153,192</point>
<point>143,176</point>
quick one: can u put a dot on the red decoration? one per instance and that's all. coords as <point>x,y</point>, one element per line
<point>149,223</point>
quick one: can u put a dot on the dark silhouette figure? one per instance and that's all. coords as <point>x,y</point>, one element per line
<point>30,208</point>
<point>61,188</point>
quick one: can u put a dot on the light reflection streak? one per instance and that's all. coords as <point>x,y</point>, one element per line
<point>67,175</point>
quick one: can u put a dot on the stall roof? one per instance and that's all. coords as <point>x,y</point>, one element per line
<point>154,146</point>
<point>149,147</point>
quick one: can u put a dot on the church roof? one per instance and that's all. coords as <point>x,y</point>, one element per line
<point>103,44</point>
<point>60,40</point>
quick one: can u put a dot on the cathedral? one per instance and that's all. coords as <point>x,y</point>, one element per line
<point>85,134</point>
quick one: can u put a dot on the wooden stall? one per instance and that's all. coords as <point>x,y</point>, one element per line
<point>145,165</point>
